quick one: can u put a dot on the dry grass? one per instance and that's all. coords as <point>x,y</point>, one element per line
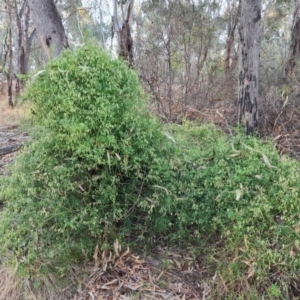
<point>14,287</point>
<point>11,115</point>
<point>10,285</point>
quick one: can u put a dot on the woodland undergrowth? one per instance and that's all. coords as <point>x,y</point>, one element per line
<point>100,167</point>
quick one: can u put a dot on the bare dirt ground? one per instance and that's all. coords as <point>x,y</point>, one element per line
<point>12,136</point>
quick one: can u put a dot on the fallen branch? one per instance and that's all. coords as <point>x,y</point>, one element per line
<point>10,149</point>
<point>10,136</point>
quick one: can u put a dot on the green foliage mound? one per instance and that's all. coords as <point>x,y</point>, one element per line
<point>101,167</point>
<point>242,192</point>
<point>96,153</point>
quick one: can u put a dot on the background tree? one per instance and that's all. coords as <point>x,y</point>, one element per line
<point>295,41</point>
<point>185,51</point>
<point>3,53</point>
<point>9,46</point>
<point>249,63</point>
<point>49,27</point>
<point>233,12</point>
<point>177,54</point>
<point>123,30</point>
<point>25,35</point>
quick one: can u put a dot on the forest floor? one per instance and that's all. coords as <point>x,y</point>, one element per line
<point>11,135</point>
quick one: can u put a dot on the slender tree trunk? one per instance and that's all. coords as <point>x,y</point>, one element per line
<point>9,74</point>
<point>28,38</point>
<point>24,41</point>
<point>234,12</point>
<point>295,42</point>
<point>201,61</point>
<point>49,27</point>
<point>126,44</point>
<point>3,53</point>
<point>123,31</point>
<point>249,63</point>
<point>21,50</point>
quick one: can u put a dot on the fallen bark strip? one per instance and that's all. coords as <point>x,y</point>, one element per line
<point>10,149</point>
<point>10,136</point>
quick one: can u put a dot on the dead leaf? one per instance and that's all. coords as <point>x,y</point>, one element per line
<point>117,247</point>
<point>108,158</point>
<point>96,257</point>
<point>297,227</point>
<point>251,271</point>
<point>91,294</point>
<point>238,194</point>
<point>111,282</point>
<point>125,253</point>
<point>277,137</point>
<point>266,160</point>
<point>133,287</point>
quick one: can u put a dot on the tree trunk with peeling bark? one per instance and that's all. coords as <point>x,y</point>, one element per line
<point>49,27</point>
<point>249,63</point>
<point>126,43</point>
<point>123,31</point>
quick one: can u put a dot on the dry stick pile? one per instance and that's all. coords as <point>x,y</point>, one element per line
<point>127,276</point>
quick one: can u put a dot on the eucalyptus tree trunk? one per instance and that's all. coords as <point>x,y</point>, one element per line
<point>3,52</point>
<point>123,30</point>
<point>24,39</point>
<point>295,42</point>
<point>234,8</point>
<point>249,63</point>
<point>9,74</point>
<point>20,33</point>
<point>49,27</point>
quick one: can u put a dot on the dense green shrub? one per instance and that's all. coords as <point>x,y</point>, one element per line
<point>101,167</point>
<point>241,189</point>
<point>95,156</point>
